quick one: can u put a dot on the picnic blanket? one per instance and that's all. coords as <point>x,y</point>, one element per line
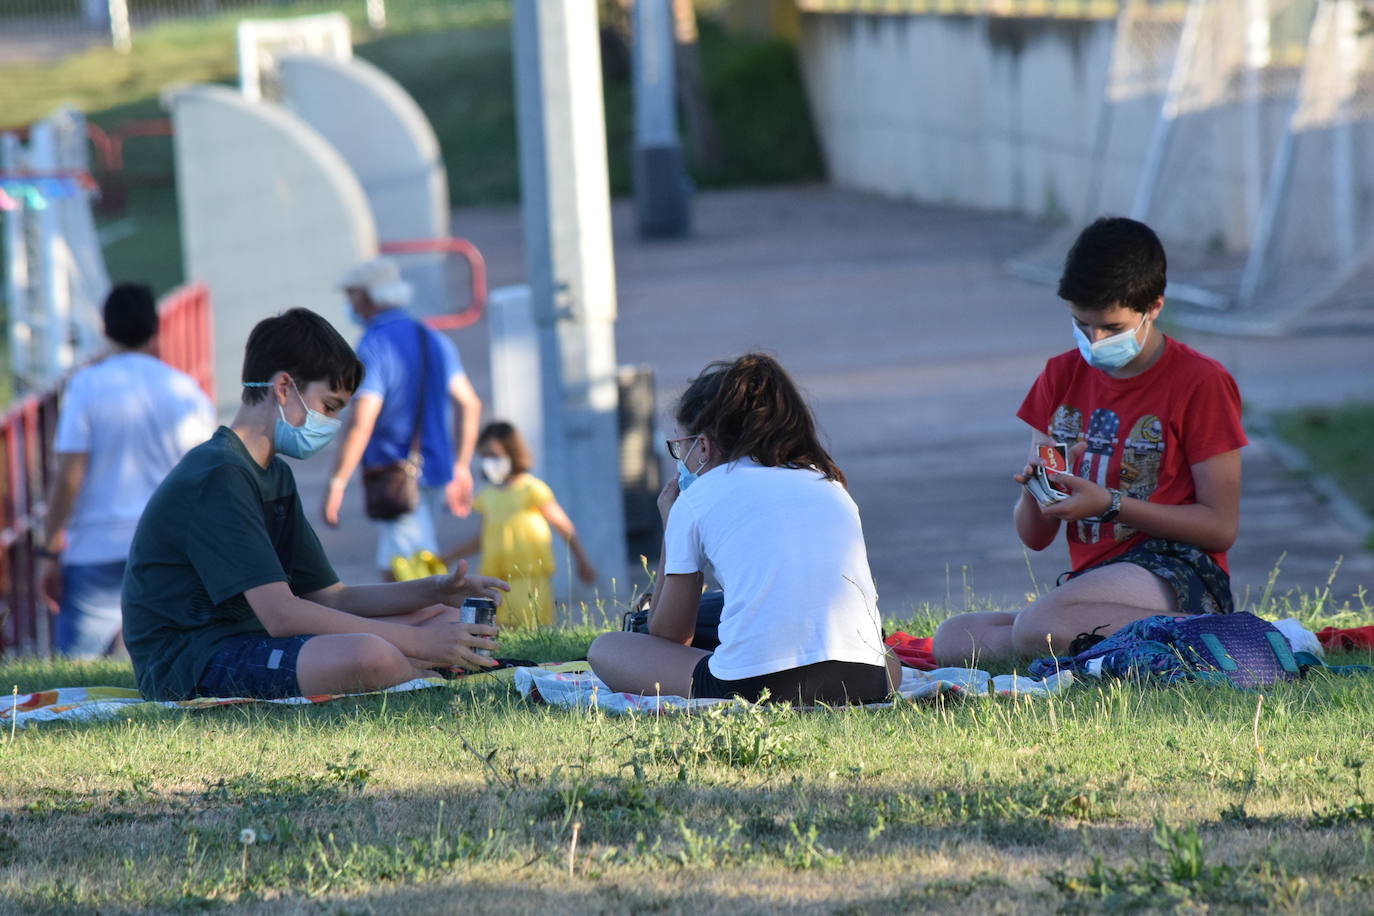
<point>1341,640</point>
<point>569,684</point>
<point>582,689</point>
<point>88,704</point>
<point>912,651</point>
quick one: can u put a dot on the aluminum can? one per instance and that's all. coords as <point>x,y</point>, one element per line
<point>479,610</point>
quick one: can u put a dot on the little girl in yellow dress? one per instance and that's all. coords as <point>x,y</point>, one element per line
<point>516,544</point>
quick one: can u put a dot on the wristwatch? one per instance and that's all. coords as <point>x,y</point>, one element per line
<point>1114,509</point>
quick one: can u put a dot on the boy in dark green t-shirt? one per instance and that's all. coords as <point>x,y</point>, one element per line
<point>228,591</point>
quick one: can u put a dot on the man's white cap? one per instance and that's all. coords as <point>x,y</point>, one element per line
<point>382,280</point>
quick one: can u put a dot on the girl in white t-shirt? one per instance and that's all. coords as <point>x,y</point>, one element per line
<point>759,501</point>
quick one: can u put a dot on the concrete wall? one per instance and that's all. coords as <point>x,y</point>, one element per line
<point>998,114</point>
<point>385,138</point>
<point>271,216</point>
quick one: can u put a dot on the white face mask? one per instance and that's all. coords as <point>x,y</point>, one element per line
<point>1110,352</point>
<point>495,468</point>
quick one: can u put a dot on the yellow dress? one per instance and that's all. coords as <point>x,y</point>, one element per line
<point>517,545</point>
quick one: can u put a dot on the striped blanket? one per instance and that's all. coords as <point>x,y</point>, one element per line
<point>567,684</point>
<point>584,689</point>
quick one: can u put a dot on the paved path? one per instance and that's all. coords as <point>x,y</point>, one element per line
<point>916,347</point>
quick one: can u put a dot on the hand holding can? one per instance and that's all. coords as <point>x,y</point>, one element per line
<point>480,611</point>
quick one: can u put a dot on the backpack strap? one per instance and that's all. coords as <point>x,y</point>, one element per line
<point>1282,651</point>
<point>415,453</point>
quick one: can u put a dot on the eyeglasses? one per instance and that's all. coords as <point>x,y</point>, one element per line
<point>675,449</point>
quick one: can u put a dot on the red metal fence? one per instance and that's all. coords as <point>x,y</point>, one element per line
<point>26,432</point>
<point>184,334</point>
<point>477,277</point>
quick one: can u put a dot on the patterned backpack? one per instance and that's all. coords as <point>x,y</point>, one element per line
<point>1238,649</point>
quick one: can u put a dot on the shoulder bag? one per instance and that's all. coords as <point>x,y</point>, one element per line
<point>392,490</point>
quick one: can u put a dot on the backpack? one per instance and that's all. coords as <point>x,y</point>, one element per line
<point>1239,649</point>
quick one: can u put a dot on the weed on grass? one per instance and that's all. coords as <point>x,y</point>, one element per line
<point>1183,878</point>
<point>1360,810</point>
<point>467,797</point>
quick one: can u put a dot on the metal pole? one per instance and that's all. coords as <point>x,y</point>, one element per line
<point>565,202</point>
<point>660,172</point>
<point>1342,139</point>
<point>1256,260</point>
<point>1159,138</point>
<point>54,266</point>
<point>17,281</point>
<point>376,15</point>
<point>1257,56</point>
<point>121,36</point>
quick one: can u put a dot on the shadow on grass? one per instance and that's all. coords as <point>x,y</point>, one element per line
<point>640,844</point>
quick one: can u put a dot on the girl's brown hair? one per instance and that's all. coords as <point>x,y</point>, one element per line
<point>751,408</point>
<point>511,442</point>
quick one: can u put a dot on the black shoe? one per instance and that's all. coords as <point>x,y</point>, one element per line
<point>1085,641</point>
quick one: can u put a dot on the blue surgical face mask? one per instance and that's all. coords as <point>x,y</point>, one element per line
<point>1109,353</point>
<point>686,478</point>
<point>305,440</point>
<point>351,310</point>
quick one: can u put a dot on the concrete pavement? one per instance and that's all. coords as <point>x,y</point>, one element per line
<point>915,347</point>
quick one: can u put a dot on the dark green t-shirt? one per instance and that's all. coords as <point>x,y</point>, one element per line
<point>219,525</point>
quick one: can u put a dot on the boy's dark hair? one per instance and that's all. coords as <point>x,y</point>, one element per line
<point>1114,261</point>
<point>130,315</point>
<point>751,408</point>
<point>511,442</point>
<point>303,345</point>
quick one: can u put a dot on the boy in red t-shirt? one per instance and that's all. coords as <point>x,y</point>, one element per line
<point>1155,436</point>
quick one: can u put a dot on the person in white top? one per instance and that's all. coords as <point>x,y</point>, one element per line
<point>124,423</point>
<point>759,501</point>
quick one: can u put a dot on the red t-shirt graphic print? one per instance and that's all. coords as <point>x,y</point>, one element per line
<point>1143,434</point>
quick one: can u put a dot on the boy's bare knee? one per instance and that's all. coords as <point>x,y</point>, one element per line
<point>377,662</point>
<point>1034,634</point>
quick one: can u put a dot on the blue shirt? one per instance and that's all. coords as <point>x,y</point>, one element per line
<point>390,352</point>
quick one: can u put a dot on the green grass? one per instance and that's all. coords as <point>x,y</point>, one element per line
<point>460,76</point>
<point>1338,441</point>
<point>1111,797</point>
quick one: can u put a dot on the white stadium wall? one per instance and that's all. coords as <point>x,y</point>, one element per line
<point>997,114</point>
<point>389,144</point>
<point>271,216</point>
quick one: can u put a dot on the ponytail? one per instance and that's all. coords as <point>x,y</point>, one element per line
<point>752,408</point>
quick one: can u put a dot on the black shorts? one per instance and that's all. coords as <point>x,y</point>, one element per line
<point>263,667</point>
<point>832,683</point>
<point>1199,584</point>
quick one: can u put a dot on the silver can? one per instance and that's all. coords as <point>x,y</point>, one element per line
<point>482,611</point>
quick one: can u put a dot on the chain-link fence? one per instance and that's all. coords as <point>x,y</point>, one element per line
<point>1316,229</point>
<point>46,29</point>
<point>1222,120</point>
<point>1145,49</point>
<point>1241,130</point>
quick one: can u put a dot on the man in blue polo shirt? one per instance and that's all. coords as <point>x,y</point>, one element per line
<point>381,425</point>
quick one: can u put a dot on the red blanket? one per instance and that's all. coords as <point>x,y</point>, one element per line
<point>1351,638</point>
<point>912,651</point>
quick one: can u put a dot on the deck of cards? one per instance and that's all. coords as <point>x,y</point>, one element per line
<point>1041,485</point>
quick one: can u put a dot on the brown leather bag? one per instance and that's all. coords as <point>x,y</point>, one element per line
<point>392,490</point>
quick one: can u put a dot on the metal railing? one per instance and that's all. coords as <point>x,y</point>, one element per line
<point>26,433</point>
<point>477,277</point>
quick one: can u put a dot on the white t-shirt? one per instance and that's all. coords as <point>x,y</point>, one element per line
<point>135,417</point>
<point>787,547</point>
